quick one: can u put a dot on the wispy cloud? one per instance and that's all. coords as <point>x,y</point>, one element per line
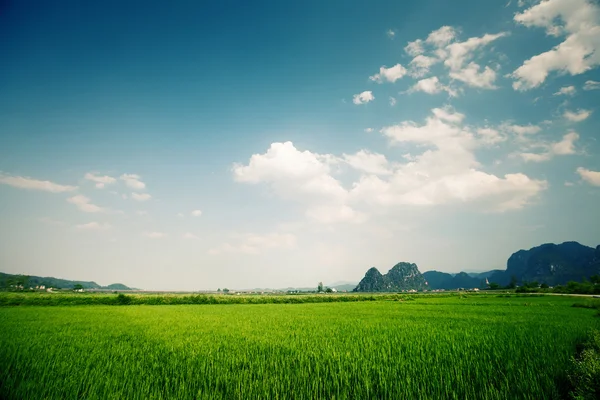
<point>100,180</point>
<point>133,181</point>
<point>84,204</point>
<point>140,196</point>
<point>23,182</point>
<point>94,226</point>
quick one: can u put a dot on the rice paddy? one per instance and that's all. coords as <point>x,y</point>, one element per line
<point>451,347</point>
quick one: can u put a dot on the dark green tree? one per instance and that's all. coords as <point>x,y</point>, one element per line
<point>320,287</point>
<point>513,282</point>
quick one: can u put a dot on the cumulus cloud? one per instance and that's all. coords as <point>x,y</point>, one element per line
<point>368,130</point>
<point>140,196</point>
<point>566,146</point>
<point>447,171</point>
<point>566,91</point>
<point>153,235</point>
<point>577,116</point>
<point>100,180</point>
<point>591,177</point>
<point>133,181</point>
<point>363,98</point>
<point>371,163</point>
<point>392,101</point>
<point>578,21</point>
<point>431,86</point>
<point>84,204</point>
<point>389,74</point>
<point>442,36</point>
<point>591,85</point>
<point>390,33</point>
<point>189,235</point>
<point>472,76</point>
<point>196,213</point>
<point>490,136</point>
<point>253,244</point>
<point>457,54</point>
<point>94,226</point>
<point>297,175</point>
<point>442,45</point>
<point>23,182</point>
<point>420,65</point>
<point>414,48</point>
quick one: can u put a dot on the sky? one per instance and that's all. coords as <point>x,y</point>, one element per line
<point>199,145</point>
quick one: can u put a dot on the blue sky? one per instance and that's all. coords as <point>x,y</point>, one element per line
<point>194,146</point>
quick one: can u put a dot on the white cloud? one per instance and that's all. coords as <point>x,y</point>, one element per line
<point>591,177</point>
<point>100,181</point>
<point>577,116</point>
<point>420,65</point>
<point>458,53</point>
<point>189,235</point>
<point>564,147</point>
<point>441,36</point>
<point>153,235</point>
<point>524,129</point>
<point>490,136</point>
<point>363,98</point>
<point>85,205</point>
<point>133,181</point>
<point>369,130</point>
<point>141,212</point>
<point>579,22</point>
<point>566,91</point>
<point>196,213</point>
<point>390,33</point>
<point>23,182</point>
<point>371,163</point>
<point>94,226</point>
<point>296,175</point>
<point>441,45</point>
<point>414,48</point>
<point>473,77</point>
<point>180,215</point>
<point>392,101</point>
<point>461,52</point>
<point>535,157</point>
<point>391,74</point>
<point>591,85</point>
<point>445,172</point>
<point>431,86</point>
<point>140,196</point>
<point>257,244</point>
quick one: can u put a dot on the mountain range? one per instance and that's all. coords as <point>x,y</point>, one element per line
<point>553,264</point>
<point>6,280</point>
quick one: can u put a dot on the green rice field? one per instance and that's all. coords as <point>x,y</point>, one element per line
<point>444,347</point>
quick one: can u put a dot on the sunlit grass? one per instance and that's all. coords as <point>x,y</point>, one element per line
<point>452,347</point>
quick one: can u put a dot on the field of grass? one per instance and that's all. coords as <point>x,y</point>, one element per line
<point>451,347</point>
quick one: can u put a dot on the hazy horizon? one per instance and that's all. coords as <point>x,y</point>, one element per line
<point>195,146</point>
